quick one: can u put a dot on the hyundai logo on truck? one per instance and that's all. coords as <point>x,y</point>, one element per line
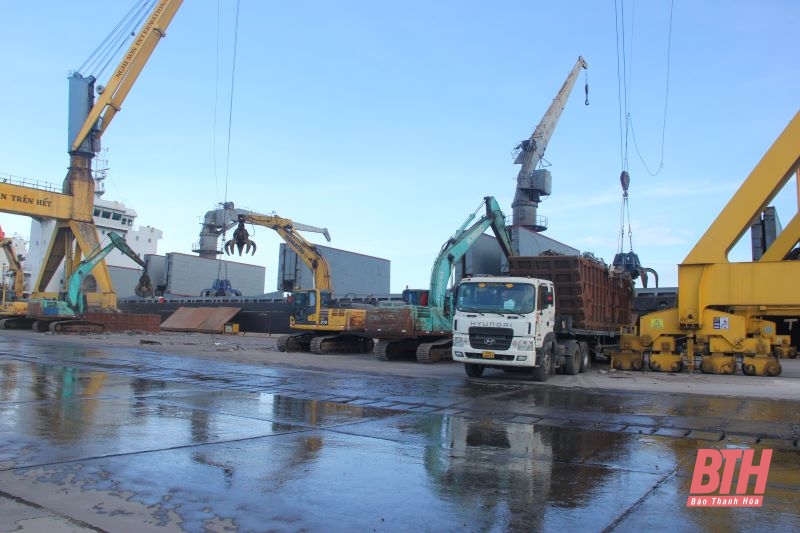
<point>489,324</point>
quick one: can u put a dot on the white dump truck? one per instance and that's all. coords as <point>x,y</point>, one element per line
<point>553,313</point>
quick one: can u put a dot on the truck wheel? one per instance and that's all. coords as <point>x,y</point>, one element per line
<point>473,370</point>
<point>543,371</point>
<point>586,359</point>
<point>572,363</point>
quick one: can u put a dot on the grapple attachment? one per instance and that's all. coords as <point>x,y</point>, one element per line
<point>241,240</point>
<point>144,288</point>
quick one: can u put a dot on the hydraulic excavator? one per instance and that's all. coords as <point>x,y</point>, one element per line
<point>15,306</point>
<point>426,331</point>
<point>75,235</point>
<point>65,314</point>
<point>14,266</point>
<point>729,314</point>
<point>323,328</point>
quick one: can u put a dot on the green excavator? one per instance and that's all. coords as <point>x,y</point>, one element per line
<point>423,328</point>
<point>65,313</point>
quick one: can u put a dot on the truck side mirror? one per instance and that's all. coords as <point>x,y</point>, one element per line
<point>548,299</point>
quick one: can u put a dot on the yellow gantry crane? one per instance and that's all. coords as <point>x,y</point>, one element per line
<point>75,235</point>
<point>728,313</point>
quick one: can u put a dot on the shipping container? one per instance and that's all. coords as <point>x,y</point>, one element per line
<point>351,273</point>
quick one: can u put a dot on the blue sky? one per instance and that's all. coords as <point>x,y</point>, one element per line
<point>388,122</point>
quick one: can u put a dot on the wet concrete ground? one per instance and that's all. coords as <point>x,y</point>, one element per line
<point>115,439</point>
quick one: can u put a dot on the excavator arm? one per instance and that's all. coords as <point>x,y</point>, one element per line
<point>75,282</point>
<point>13,264</point>
<point>461,241</point>
<point>288,230</point>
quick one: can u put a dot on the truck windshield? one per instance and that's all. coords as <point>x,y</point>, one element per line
<point>496,297</point>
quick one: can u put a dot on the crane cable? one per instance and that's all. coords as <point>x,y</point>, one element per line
<point>623,96</point>
<point>109,49</point>
<point>230,115</point>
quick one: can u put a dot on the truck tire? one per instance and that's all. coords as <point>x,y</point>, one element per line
<point>572,359</point>
<point>473,370</point>
<point>586,359</point>
<point>542,372</point>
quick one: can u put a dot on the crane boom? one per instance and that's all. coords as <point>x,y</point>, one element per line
<point>121,82</point>
<point>533,184</point>
<point>74,234</point>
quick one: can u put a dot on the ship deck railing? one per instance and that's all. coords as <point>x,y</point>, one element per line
<point>31,183</point>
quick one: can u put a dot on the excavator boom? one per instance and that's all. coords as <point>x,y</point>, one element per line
<point>324,328</point>
<point>75,282</point>
<point>13,264</point>
<point>456,246</point>
<point>425,331</point>
<point>287,229</point>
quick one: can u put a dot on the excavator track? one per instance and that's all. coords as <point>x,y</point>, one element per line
<point>436,351</point>
<point>297,342</point>
<point>341,343</point>
<point>16,323</point>
<point>394,350</point>
<point>68,326</point>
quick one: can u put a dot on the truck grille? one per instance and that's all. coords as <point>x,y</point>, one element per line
<point>490,338</point>
<point>497,357</point>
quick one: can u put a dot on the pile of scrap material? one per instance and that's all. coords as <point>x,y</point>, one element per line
<point>200,319</point>
<point>594,296</point>
<point>118,322</point>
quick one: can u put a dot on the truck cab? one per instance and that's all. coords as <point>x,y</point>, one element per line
<point>503,322</point>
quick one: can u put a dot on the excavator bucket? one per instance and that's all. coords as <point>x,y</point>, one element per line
<point>144,288</point>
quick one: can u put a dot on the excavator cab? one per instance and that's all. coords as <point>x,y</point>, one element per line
<point>306,305</point>
<point>416,297</point>
<point>300,302</point>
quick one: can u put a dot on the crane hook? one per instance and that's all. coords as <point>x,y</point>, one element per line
<point>625,181</point>
<point>586,90</point>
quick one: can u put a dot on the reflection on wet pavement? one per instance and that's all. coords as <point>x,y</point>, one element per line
<point>185,444</point>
